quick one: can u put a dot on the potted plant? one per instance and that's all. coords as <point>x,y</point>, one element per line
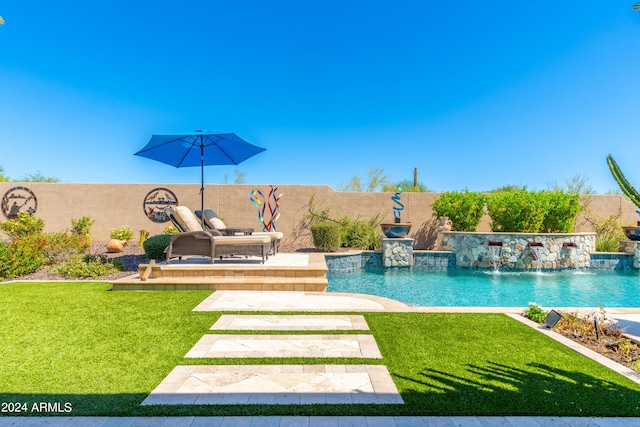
<point>632,232</point>
<point>396,229</point>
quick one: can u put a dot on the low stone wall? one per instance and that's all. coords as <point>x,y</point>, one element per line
<point>354,261</point>
<point>519,251</point>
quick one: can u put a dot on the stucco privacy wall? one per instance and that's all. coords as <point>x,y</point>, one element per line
<point>117,205</point>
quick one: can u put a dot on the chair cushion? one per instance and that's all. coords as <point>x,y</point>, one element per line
<point>212,220</point>
<point>277,235</point>
<point>217,223</point>
<point>241,240</point>
<point>186,219</point>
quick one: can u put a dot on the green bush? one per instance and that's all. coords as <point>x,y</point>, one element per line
<point>122,233</point>
<point>80,266</point>
<point>464,209</point>
<point>59,246</point>
<point>359,234</point>
<point>154,246</point>
<point>518,210</point>
<point>23,225</point>
<point>608,233</point>
<point>326,236</point>
<point>23,255</point>
<point>170,229</point>
<point>82,226</point>
<point>562,210</point>
<point>535,312</point>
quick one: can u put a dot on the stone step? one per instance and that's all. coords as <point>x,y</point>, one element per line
<point>276,385</point>
<point>309,284</point>
<point>258,346</point>
<point>291,322</point>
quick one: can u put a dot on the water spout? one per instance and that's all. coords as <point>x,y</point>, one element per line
<point>535,254</point>
<point>496,255</point>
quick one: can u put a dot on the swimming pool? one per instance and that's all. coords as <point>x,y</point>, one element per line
<point>474,288</point>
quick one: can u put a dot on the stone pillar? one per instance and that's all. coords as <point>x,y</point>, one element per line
<point>397,252</point>
<point>636,255</point>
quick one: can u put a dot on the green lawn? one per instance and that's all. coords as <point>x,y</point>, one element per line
<point>103,352</point>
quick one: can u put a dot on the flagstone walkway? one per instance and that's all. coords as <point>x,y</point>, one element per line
<point>281,384</point>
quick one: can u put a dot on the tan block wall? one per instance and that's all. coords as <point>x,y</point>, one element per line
<point>117,205</point>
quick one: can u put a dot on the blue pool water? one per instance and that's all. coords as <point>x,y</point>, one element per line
<point>465,288</point>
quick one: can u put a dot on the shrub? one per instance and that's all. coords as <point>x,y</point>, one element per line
<point>122,233</point>
<point>535,312</point>
<point>608,233</point>
<point>562,210</point>
<point>464,209</point>
<point>154,246</point>
<point>359,234</point>
<point>170,229</point>
<point>517,210</point>
<point>24,255</point>
<point>82,226</point>
<point>83,266</point>
<point>326,236</point>
<point>23,225</point>
<point>59,246</point>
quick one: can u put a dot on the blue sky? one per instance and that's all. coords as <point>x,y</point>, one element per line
<point>475,95</point>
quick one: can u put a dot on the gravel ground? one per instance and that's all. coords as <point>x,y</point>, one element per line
<point>130,256</point>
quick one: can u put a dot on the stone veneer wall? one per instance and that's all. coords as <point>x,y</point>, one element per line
<point>351,262</point>
<point>612,261</point>
<point>518,251</point>
<point>443,260</point>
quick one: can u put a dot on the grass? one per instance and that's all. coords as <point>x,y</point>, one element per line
<point>104,351</point>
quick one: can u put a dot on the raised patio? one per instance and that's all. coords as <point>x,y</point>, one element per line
<point>282,272</point>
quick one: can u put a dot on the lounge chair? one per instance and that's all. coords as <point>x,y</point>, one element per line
<point>192,235</point>
<point>213,222</point>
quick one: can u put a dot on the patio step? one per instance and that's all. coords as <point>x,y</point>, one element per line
<point>283,272</point>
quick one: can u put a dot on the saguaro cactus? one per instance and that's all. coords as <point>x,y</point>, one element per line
<point>625,186</point>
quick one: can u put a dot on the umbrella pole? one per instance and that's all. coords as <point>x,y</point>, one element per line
<point>202,181</point>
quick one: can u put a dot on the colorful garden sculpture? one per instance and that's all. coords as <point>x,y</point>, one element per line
<point>263,204</point>
<point>397,209</point>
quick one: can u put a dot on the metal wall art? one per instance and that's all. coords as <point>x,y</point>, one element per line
<point>16,200</point>
<point>155,203</point>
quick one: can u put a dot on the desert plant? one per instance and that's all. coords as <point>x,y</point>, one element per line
<point>608,233</point>
<point>326,236</point>
<point>59,246</point>
<point>360,234</point>
<point>407,186</point>
<point>80,266</point>
<point>463,208</point>
<point>122,233</point>
<point>517,211</point>
<point>627,189</point>
<point>144,235</point>
<point>82,227</point>
<point>24,224</point>
<point>154,246</point>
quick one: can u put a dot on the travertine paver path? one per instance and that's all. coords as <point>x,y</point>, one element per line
<point>280,384</point>
<point>252,346</point>
<point>292,322</point>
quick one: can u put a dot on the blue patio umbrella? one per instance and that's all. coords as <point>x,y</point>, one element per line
<point>199,148</point>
